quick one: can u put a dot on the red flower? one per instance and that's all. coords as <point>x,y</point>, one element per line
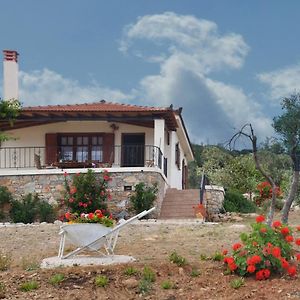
<point>91,216</point>
<point>285,230</point>
<point>266,273</point>
<point>254,243</point>
<point>297,241</point>
<point>251,269</point>
<point>232,266</point>
<point>260,275</point>
<point>276,251</point>
<point>298,256</point>
<point>66,174</point>
<point>276,224</point>
<point>71,200</point>
<point>298,228</point>
<point>84,205</point>
<point>225,252</point>
<point>68,215</point>
<point>73,190</point>
<point>289,238</point>
<point>98,211</point>
<point>263,230</point>
<point>236,246</point>
<point>260,219</point>
<point>292,271</point>
<point>256,259</point>
<point>284,263</point>
<point>106,178</point>
<point>80,204</point>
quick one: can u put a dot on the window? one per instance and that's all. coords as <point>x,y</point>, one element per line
<point>81,147</point>
<point>177,156</point>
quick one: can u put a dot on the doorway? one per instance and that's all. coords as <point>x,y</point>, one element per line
<point>133,150</point>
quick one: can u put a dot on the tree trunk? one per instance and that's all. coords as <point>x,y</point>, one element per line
<point>291,197</point>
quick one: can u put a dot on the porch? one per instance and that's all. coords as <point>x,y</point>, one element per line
<point>64,157</point>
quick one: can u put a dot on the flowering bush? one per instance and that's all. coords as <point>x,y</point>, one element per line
<point>265,192</point>
<point>266,250</point>
<point>96,217</point>
<point>85,193</point>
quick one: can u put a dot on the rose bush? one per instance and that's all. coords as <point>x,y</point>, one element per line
<point>265,251</point>
<point>264,190</point>
<point>86,195</point>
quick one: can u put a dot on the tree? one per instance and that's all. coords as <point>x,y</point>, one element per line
<point>9,110</point>
<point>288,127</point>
<point>248,132</point>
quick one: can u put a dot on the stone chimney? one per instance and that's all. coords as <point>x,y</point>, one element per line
<point>10,75</point>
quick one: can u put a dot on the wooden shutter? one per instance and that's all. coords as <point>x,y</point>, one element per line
<point>108,147</point>
<point>51,148</point>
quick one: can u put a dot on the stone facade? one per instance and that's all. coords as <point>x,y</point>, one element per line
<point>50,187</point>
<point>214,199</point>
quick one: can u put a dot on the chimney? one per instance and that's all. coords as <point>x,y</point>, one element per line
<point>10,75</point>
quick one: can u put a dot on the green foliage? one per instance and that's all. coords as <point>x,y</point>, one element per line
<point>101,281</point>
<point>86,193</point>
<point>237,283</point>
<point>56,279</point>
<point>217,256</point>
<point>29,286</point>
<point>166,285</point>
<point>130,271</point>
<point>144,197</point>
<point>148,274</point>
<point>5,198</point>
<point>236,202</point>
<point>144,286</point>
<point>9,110</point>
<point>177,259</point>
<point>5,261</point>
<point>45,212</point>
<point>2,290</point>
<point>204,257</point>
<point>195,273</point>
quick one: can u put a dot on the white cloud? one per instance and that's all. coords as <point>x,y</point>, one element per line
<point>282,82</point>
<point>46,87</point>
<point>212,110</point>
<point>198,38</point>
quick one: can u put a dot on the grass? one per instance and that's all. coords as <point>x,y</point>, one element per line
<point>204,257</point>
<point>29,286</point>
<point>237,283</point>
<point>166,285</point>
<point>217,256</point>
<point>177,259</point>
<point>195,273</point>
<point>2,289</point>
<point>131,271</point>
<point>5,261</point>
<point>57,279</point>
<point>30,264</point>
<point>101,281</point>
<point>144,286</point>
<point>148,274</point>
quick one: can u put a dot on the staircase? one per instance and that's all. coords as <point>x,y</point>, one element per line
<point>178,204</point>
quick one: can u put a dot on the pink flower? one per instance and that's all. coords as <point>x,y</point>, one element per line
<point>71,200</point>
<point>85,205</point>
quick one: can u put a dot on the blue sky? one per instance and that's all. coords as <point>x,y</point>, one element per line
<point>225,62</point>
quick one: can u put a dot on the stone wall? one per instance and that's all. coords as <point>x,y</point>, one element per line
<point>214,199</point>
<point>50,187</point>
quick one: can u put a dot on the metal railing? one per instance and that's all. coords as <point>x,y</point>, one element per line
<point>81,157</point>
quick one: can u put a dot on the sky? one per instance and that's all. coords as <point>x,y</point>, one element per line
<point>226,63</point>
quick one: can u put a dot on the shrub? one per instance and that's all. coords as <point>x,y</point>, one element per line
<point>177,259</point>
<point>45,212</point>
<point>101,281</point>
<point>264,251</point>
<point>85,193</point>
<point>278,204</point>
<point>5,261</point>
<point>148,274</point>
<point>195,273</point>
<point>29,286</point>
<point>166,285</point>
<point>5,198</point>
<point>144,286</point>
<point>236,202</point>
<point>25,210</point>
<point>144,197</point>
<point>130,271</point>
<point>56,279</point>
<point>237,283</point>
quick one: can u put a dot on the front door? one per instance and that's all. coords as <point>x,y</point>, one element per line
<point>133,149</point>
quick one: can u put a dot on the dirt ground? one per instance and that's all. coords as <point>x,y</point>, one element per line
<point>151,244</point>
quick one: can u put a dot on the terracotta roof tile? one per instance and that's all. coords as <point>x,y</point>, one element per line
<point>101,106</point>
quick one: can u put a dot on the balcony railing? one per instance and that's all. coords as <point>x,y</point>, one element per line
<point>81,157</point>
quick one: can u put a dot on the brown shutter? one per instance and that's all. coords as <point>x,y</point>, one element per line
<point>108,147</point>
<point>51,148</point>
